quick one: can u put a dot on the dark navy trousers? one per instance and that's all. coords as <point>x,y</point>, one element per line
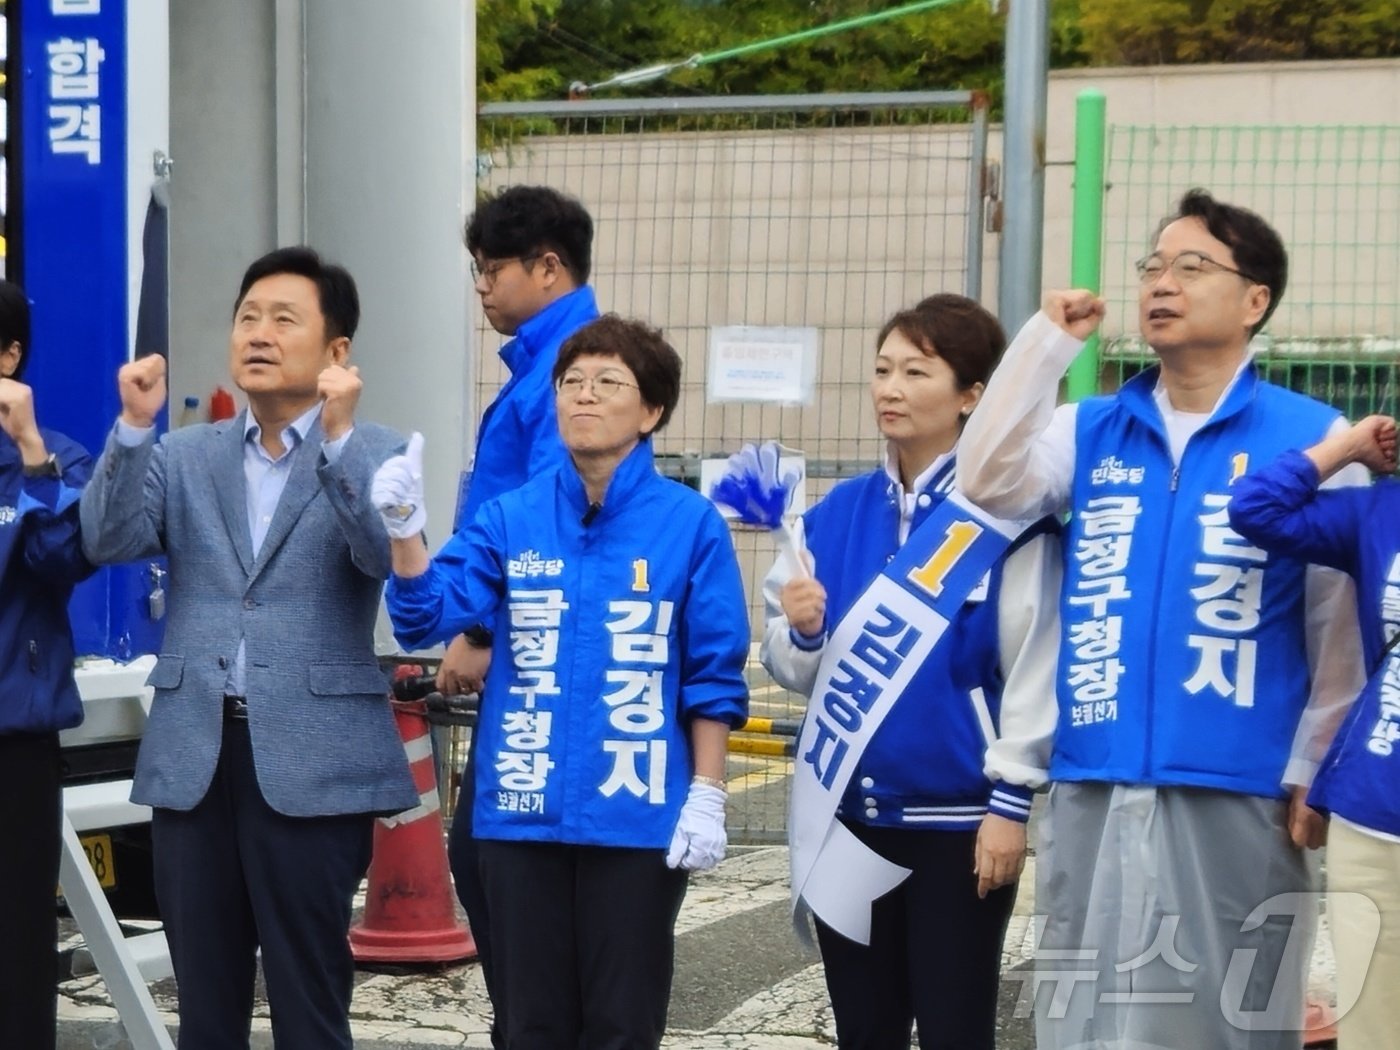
<point>30,813</point>
<point>234,876</point>
<point>585,943</point>
<point>466,879</point>
<point>934,956</point>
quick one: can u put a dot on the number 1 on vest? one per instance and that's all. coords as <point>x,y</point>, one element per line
<point>956,540</point>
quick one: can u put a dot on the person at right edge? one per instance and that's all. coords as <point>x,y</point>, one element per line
<point>1356,530</point>
<point>1200,678</point>
<point>531,249</point>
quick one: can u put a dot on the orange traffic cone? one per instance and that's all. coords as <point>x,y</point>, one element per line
<point>1319,1024</point>
<point>409,914</point>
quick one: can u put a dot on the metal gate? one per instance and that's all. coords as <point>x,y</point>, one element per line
<point>822,211</point>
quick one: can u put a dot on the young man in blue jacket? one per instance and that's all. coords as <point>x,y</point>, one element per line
<point>1200,678</point>
<point>42,474</point>
<point>531,252</point>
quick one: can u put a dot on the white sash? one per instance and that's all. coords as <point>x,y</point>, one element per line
<point>869,660</point>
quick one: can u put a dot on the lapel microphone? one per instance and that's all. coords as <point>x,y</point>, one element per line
<point>591,513</point>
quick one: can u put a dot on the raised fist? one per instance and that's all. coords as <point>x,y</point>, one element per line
<point>804,604</point>
<point>1373,442</point>
<point>339,388</point>
<point>1077,311</point>
<point>17,420</point>
<point>141,386</point>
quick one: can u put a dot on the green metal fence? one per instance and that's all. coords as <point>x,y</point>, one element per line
<point>1332,192</point>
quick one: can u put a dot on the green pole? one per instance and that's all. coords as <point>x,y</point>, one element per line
<point>1086,240</point>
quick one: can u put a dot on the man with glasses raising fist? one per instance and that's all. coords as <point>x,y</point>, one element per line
<point>531,252</point>
<point>1200,679</point>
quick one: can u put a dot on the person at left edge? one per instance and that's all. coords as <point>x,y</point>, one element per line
<point>617,672</point>
<point>270,744</point>
<point>41,558</point>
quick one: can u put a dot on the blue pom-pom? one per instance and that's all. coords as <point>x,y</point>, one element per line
<point>751,485</point>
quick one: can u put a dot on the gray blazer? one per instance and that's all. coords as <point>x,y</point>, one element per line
<point>324,740</point>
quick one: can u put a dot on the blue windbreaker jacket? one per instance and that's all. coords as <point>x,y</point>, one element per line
<point>519,438</point>
<point>41,558</point>
<point>1356,530</point>
<point>614,627</point>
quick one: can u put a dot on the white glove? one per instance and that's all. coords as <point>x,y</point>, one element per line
<point>397,491</point>
<point>699,841</point>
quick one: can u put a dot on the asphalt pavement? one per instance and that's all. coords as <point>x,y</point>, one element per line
<point>743,980</point>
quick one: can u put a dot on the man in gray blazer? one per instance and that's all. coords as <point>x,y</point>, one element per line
<point>270,744</point>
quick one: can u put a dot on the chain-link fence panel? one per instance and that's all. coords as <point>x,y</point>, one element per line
<point>1332,192</point>
<point>824,212</point>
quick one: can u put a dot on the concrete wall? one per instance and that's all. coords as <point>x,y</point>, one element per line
<point>835,228</point>
<point>347,125</point>
<point>223,200</point>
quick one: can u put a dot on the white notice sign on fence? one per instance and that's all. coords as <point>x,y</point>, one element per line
<point>775,365</point>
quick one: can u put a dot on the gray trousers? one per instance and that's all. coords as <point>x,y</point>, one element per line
<point>1170,918</point>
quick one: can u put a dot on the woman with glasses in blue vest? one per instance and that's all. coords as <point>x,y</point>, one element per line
<point>944,786</point>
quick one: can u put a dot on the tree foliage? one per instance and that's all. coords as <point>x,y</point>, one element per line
<point>1149,32</point>
<point>562,41</point>
<point>504,31</point>
<point>536,48</point>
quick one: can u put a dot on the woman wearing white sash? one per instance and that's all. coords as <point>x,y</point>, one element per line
<point>944,786</point>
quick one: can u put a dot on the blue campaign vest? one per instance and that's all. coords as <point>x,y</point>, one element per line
<point>609,638</point>
<point>1183,656</point>
<point>923,767</point>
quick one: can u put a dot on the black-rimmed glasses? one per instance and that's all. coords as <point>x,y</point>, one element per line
<point>488,271</point>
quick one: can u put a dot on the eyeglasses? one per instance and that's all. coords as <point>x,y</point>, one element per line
<point>1187,267</point>
<point>605,387</point>
<point>491,270</point>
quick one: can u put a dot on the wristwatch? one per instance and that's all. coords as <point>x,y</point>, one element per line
<point>480,636</point>
<point>48,468</point>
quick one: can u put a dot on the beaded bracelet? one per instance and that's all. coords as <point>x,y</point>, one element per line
<point>713,782</point>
